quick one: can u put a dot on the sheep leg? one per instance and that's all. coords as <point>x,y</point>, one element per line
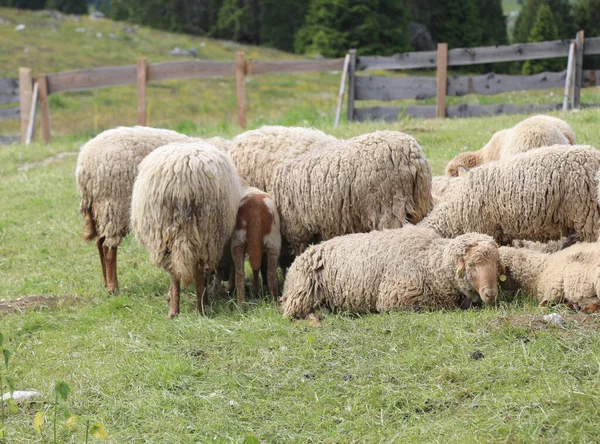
<point>99,244</point>
<point>200,290</point>
<point>264,273</point>
<point>272,258</point>
<point>238,254</point>
<point>231,282</point>
<point>112,283</point>
<point>255,282</point>
<point>173,297</point>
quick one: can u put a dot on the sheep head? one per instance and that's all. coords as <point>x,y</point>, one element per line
<point>478,269</point>
<point>462,163</point>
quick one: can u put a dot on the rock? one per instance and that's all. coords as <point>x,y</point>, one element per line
<point>80,29</point>
<point>21,396</point>
<point>97,15</point>
<point>477,355</point>
<point>52,14</point>
<point>177,51</point>
<point>20,27</point>
<point>129,29</point>
<point>554,318</point>
<point>420,37</point>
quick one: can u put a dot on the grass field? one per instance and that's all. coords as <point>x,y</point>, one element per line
<point>498,374</point>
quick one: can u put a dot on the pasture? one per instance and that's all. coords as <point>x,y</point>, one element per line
<point>491,374</point>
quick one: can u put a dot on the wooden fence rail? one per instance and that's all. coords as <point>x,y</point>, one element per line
<point>397,88</point>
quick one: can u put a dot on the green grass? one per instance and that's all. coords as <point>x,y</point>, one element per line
<point>391,377</point>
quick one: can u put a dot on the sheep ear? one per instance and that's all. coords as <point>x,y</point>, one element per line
<point>462,171</point>
<point>460,267</point>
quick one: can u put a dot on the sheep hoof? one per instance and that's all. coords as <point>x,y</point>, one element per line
<point>172,314</point>
<point>592,308</point>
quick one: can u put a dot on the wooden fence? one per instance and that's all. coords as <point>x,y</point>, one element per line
<point>142,73</point>
<point>9,94</point>
<point>396,88</point>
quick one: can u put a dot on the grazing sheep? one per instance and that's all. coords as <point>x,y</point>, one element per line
<point>442,187</point>
<point>183,209</point>
<point>568,276</point>
<point>540,195</point>
<point>410,268</point>
<point>547,247</point>
<point>106,169</point>
<point>257,152</point>
<point>534,132</point>
<point>256,227</point>
<point>371,182</point>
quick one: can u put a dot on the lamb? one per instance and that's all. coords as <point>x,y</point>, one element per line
<point>539,195</point>
<point>371,182</point>
<point>571,275</point>
<point>106,169</point>
<point>411,268</point>
<point>256,227</point>
<point>183,210</point>
<point>534,132</point>
<point>257,152</point>
<point>442,187</point>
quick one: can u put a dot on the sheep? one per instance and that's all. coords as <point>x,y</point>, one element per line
<point>442,187</point>
<point>534,132</point>
<point>371,182</point>
<point>106,169</point>
<point>410,268</point>
<point>539,195</point>
<point>256,227</point>
<point>183,210</point>
<point>257,152</point>
<point>571,275</point>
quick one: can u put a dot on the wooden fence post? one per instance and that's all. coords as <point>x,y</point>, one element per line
<point>25,91</point>
<point>579,43</point>
<point>569,76</point>
<point>351,83</point>
<point>442,79</point>
<point>240,86</point>
<point>32,114</point>
<point>44,108</point>
<point>338,110</point>
<point>142,79</point>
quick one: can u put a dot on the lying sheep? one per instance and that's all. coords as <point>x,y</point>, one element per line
<point>371,182</point>
<point>442,187</point>
<point>540,195</point>
<point>183,209</point>
<point>571,275</point>
<point>410,268</point>
<point>106,169</point>
<point>256,227</point>
<point>534,132</point>
<point>257,152</point>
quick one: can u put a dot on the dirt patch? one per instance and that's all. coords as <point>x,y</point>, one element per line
<point>47,160</point>
<point>35,303</point>
<point>537,322</point>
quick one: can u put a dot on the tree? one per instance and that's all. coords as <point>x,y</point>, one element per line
<point>587,17</point>
<point>543,29</point>
<point>24,4</point>
<point>280,21</point>
<point>561,11</point>
<point>492,22</point>
<point>68,6</point>
<point>372,26</point>
<point>239,20</point>
<point>456,22</point>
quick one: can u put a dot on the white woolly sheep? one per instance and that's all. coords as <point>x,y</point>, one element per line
<point>106,169</point>
<point>442,187</point>
<point>371,182</point>
<point>539,195</point>
<point>531,133</point>
<point>410,268</point>
<point>257,152</point>
<point>183,209</point>
<point>571,275</point>
<point>256,227</point>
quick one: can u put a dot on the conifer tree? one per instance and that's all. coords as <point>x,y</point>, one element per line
<point>543,30</point>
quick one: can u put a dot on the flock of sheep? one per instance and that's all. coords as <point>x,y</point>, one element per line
<point>385,235</point>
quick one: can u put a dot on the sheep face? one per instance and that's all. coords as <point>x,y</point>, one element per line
<point>462,163</point>
<point>479,269</point>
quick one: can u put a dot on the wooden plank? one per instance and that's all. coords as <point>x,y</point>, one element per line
<point>142,79</point>
<point>85,79</point>
<point>474,56</point>
<point>44,107</point>
<point>26,88</point>
<point>394,88</point>
<point>9,91</point>
<point>442,80</point>
<point>338,110</point>
<point>568,77</point>
<point>189,69</point>
<point>590,78</point>
<point>10,113</point>
<point>351,84</point>
<point>32,115</point>
<point>490,84</point>
<point>579,44</point>
<point>292,66</point>
<point>240,86</point>
<point>7,140</point>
